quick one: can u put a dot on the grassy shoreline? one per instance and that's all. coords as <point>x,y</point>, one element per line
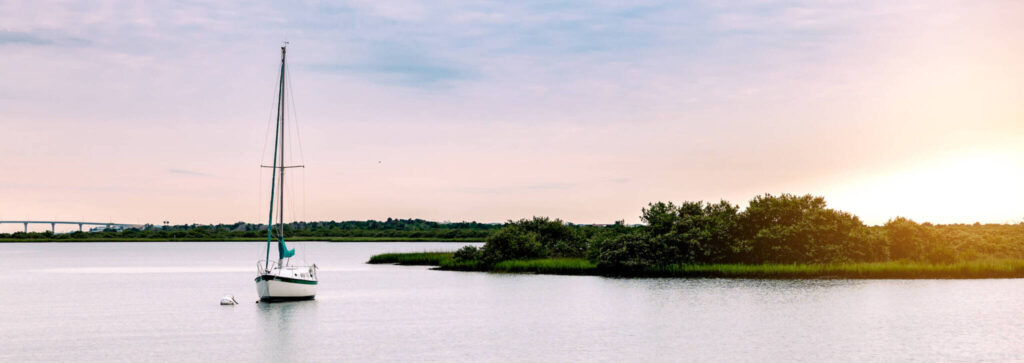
<point>237,239</point>
<point>1005,268</point>
<point>425,258</point>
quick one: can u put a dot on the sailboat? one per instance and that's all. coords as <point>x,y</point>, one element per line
<point>280,280</point>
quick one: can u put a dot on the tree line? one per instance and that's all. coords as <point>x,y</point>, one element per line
<point>771,229</point>
<point>397,228</point>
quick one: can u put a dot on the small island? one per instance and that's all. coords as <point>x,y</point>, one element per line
<point>776,237</point>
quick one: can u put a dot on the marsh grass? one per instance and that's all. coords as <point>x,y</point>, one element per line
<point>995,268</point>
<point>412,258</point>
<point>453,265</point>
<point>554,266</point>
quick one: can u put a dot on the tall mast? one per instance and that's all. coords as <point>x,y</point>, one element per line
<point>277,133</point>
<point>282,103</point>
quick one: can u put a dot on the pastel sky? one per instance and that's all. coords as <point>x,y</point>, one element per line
<point>586,111</point>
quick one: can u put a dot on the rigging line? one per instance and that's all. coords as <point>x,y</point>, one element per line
<point>302,155</point>
<point>295,125</point>
<point>290,99</point>
<point>295,117</point>
<point>266,140</point>
<point>291,195</point>
<point>304,216</point>
<point>259,193</point>
<point>270,117</point>
<point>298,140</point>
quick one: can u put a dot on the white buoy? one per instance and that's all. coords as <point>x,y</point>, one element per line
<point>228,300</point>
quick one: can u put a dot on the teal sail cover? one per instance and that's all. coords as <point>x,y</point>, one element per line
<point>283,250</point>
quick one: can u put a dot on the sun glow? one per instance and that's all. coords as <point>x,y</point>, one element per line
<point>963,187</point>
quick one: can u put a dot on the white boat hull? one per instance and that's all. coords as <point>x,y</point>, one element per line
<point>278,288</point>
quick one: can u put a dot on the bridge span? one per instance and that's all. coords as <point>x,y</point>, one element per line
<point>53,224</point>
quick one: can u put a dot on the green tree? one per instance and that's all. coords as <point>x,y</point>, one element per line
<point>693,232</point>
<point>907,239</point>
<point>630,252</point>
<point>796,229</point>
<point>511,243</point>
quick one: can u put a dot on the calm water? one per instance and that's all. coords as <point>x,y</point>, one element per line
<point>159,301</point>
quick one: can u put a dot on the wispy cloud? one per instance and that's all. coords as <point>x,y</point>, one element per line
<point>534,187</point>
<point>37,38</point>
<point>437,46</point>
<point>541,186</point>
<point>189,173</point>
<point>403,65</point>
<point>405,71</point>
<point>8,37</point>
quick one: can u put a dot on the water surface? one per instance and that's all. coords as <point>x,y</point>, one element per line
<point>159,301</point>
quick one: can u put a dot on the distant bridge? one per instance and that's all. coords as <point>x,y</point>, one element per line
<point>53,224</point>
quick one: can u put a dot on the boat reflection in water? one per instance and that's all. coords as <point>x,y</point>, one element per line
<point>289,330</point>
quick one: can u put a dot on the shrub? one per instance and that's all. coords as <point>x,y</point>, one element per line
<point>512,242</point>
<point>632,251</point>
<point>534,238</point>
<point>467,253</point>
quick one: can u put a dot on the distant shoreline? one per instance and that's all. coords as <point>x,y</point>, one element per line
<point>292,239</point>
